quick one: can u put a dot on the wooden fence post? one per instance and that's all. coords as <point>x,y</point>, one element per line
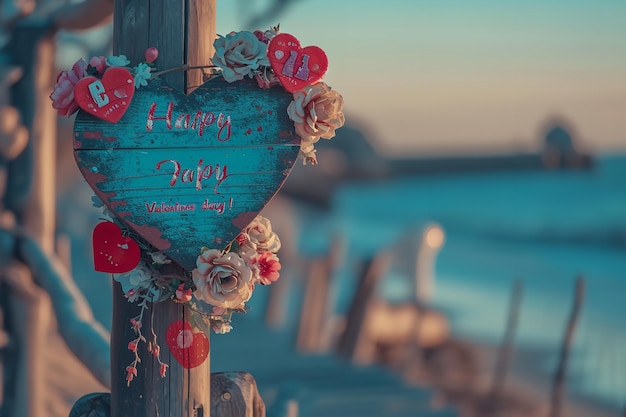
<point>183,32</point>
<point>558,383</point>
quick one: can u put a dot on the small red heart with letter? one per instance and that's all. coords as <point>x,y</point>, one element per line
<point>106,98</point>
<point>296,67</point>
<point>190,349</point>
<point>113,252</point>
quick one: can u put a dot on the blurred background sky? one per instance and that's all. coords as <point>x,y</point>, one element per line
<point>458,76</point>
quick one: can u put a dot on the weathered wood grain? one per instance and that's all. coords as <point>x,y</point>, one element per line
<point>181,31</point>
<point>199,42</point>
<point>139,24</point>
<point>234,394</point>
<point>197,178</point>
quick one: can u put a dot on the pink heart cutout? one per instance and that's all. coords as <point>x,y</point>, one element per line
<point>107,98</point>
<point>294,66</point>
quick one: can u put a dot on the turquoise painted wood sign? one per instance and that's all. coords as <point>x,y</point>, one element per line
<point>189,171</point>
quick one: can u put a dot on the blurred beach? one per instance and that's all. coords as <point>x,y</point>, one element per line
<point>542,227</point>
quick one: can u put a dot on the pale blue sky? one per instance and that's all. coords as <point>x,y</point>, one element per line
<point>468,76</point>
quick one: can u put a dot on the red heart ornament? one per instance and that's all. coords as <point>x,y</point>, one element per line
<point>190,171</point>
<point>190,349</point>
<point>113,252</point>
<point>296,67</point>
<point>107,98</point>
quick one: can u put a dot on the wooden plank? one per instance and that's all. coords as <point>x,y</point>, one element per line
<point>255,117</point>
<point>181,31</point>
<point>353,343</point>
<point>167,21</point>
<point>164,24</point>
<point>199,42</point>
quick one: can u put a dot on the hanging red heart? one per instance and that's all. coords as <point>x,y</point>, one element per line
<point>296,67</point>
<point>113,252</point>
<point>190,349</point>
<point>106,98</point>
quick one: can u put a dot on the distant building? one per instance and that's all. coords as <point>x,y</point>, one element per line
<point>560,151</point>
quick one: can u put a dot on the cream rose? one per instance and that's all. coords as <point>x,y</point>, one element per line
<point>239,54</point>
<point>258,237</point>
<point>222,280</point>
<point>316,112</point>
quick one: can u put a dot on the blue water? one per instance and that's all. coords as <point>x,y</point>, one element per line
<point>543,227</point>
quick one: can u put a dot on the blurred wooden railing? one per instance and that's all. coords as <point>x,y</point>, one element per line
<point>30,272</point>
<point>371,321</point>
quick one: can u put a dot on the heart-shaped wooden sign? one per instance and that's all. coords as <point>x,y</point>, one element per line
<point>190,171</point>
<point>190,349</point>
<point>112,252</point>
<point>296,67</point>
<point>107,98</point>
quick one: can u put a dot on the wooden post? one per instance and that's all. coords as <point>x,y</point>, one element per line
<point>183,32</point>
<point>506,348</point>
<point>353,341</point>
<point>558,384</point>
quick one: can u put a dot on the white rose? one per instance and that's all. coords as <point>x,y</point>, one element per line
<point>239,54</point>
<point>258,237</point>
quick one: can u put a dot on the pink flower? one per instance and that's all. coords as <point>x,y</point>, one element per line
<point>222,280</point>
<point>99,63</point>
<point>151,54</point>
<point>259,35</point>
<point>266,266</point>
<point>156,351</point>
<point>132,346</point>
<point>183,295</point>
<point>131,372</point>
<point>163,370</point>
<point>63,95</point>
